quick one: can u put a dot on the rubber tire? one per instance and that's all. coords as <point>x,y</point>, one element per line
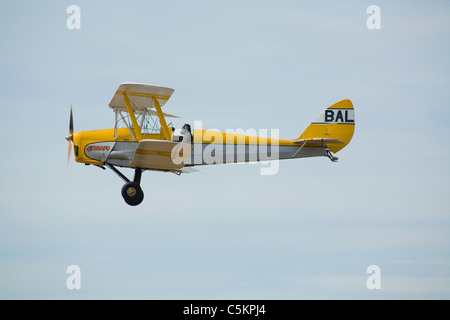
<point>127,193</point>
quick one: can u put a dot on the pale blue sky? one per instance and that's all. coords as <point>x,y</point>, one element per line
<point>309,231</point>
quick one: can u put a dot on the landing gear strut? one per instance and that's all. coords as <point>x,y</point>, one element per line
<point>131,191</point>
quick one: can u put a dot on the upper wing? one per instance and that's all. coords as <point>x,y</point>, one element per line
<point>141,96</point>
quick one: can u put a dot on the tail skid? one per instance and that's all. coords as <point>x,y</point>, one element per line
<point>330,155</point>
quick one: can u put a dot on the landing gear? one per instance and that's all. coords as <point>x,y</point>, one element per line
<point>131,191</point>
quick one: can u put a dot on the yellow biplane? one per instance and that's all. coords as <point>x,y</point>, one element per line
<point>141,139</point>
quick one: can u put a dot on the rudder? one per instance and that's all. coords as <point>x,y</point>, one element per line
<point>336,122</point>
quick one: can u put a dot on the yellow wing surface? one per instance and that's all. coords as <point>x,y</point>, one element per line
<point>161,155</point>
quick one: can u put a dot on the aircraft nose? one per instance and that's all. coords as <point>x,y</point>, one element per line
<point>76,144</point>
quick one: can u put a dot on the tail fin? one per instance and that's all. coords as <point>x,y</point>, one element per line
<point>334,126</point>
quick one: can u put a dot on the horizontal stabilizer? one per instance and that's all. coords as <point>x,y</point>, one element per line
<point>188,170</point>
<point>317,142</point>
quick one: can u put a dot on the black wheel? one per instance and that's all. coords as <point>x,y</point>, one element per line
<point>132,193</point>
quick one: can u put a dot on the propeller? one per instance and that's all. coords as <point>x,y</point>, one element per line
<point>70,136</point>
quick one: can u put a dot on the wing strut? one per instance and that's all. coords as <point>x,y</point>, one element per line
<point>136,128</point>
<point>162,121</point>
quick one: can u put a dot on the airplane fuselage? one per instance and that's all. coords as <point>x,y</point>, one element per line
<point>108,146</point>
